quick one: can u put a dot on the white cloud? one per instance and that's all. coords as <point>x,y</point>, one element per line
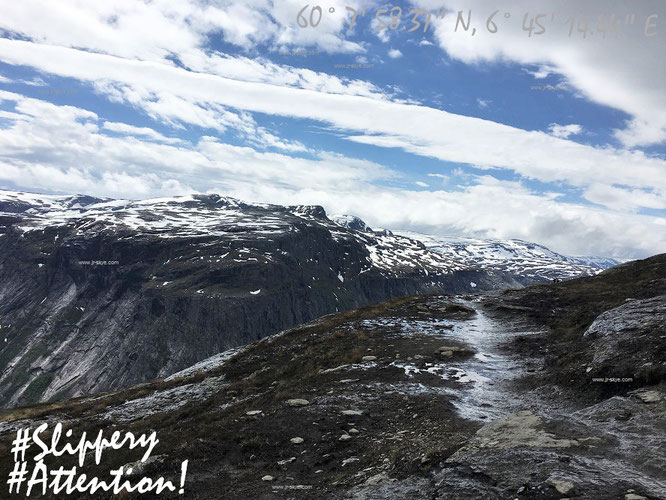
<point>175,95</point>
<point>624,72</point>
<point>483,103</point>
<point>394,53</point>
<point>62,147</point>
<point>422,184</point>
<point>564,131</point>
<point>542,72</point>
<point>155,30</point>
<point>625,199</point>
<point>146,132</point>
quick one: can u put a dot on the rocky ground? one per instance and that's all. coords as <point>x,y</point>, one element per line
<point>549,392</point>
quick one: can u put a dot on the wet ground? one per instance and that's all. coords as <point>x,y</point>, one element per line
<point>426,397</point>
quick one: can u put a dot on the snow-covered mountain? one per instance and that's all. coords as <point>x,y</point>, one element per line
<point>528,261</point>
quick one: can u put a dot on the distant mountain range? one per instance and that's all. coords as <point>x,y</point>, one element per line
<point>526,262</point>
<point>530,262</point>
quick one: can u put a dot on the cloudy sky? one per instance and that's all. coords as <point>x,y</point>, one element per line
<point>540,120</point>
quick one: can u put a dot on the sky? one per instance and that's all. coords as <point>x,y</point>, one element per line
<point>540,120</point>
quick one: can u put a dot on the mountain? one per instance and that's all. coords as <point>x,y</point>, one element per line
<point>550,391</point>
<point>97,294</point>
<point>528,262</point>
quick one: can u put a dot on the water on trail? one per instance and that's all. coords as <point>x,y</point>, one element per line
<point>486,393</point>
<point>483,390</point>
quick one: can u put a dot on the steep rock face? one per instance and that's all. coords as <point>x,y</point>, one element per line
<point>97,294</point>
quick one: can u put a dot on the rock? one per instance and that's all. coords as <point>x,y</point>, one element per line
<point>287,461</point>
<point>139,468</point>
<point>647,396</point>
<point>561,486</point>
<point>446,354</point>
<point>253,412</point>
<point>369,358</point>
<point>521,429</point>
<point>633,496</point>
<point>382,477</point>
<point>349,460</point>
<point>352,413</point>
<point>333,370</point>
<point>267,478</point>
<point>353,430</point>
<point>344,437</point>
<point>298,402</point>
<point>296,440</point>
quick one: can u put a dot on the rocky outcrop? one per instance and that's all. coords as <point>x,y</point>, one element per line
<point>624,341</point>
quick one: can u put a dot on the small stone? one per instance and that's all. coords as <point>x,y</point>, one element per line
<point>352,413</point>
<point>446,354</point>
<point>369,358</point>
<point>418,356</point>
<point>319,471</point>
<point>561,486</point>
<point>633,496</point>
<point>345,437</point>
<point>424,460</point>
<point>267,478</point>
<point>253,412</point>
<point>296,440</point>
<point>298,402</point>
<point>333,370</point>
<point>353,430</point>
<point>286,461</point>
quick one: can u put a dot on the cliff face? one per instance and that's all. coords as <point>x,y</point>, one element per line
<point>100,294</point>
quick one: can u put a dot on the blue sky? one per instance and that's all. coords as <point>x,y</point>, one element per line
<point>554,138</point>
